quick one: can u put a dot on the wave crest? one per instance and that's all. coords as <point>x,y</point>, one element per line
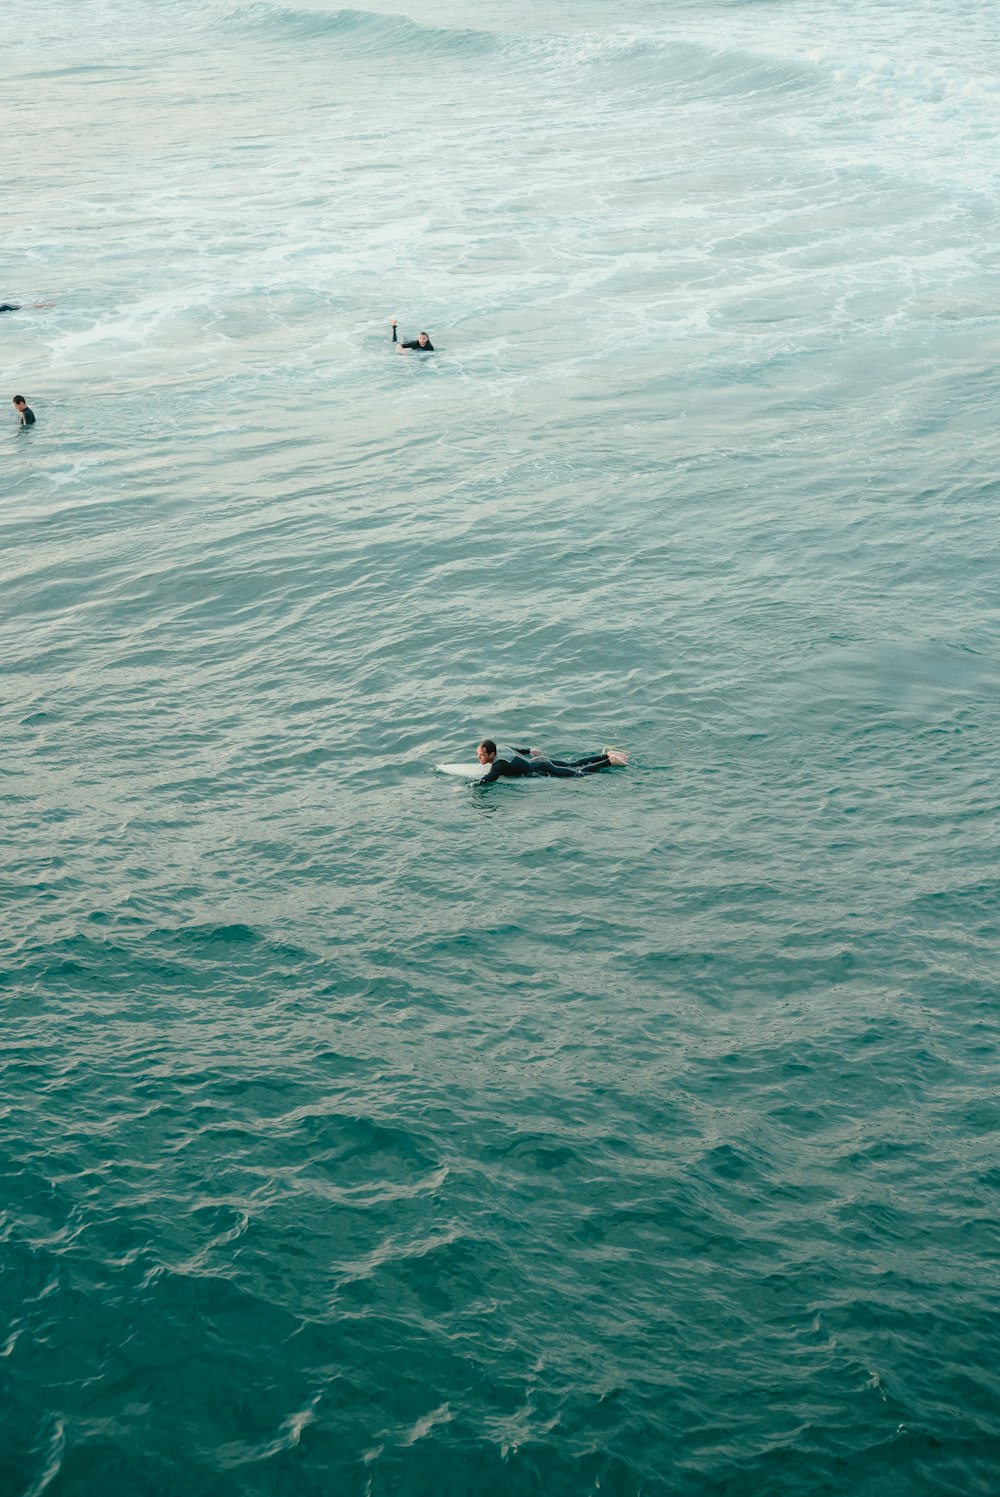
<point>365,32</point>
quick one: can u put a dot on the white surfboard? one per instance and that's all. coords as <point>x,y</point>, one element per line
<point>463,771</point>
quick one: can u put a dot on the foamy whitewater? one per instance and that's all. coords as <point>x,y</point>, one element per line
<point>365,1132</point>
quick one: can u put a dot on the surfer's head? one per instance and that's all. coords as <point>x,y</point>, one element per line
<point>423,339</point>
<point>487,751</point>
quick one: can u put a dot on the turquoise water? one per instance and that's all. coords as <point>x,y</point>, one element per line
<point>365,1132</point>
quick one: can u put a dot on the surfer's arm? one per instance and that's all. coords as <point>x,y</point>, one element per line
<point>392,322</point>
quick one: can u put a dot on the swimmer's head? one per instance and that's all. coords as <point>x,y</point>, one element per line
<point>423,339</point>
<point>487,751</point>
<point>19,401</point>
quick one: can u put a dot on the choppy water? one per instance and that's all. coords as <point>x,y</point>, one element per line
<point>368,1133</point>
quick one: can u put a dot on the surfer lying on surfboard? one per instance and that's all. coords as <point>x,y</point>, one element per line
<point>522,763</point>
<point>421,343</point>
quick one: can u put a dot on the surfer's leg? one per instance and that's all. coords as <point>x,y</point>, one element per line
<point>593,762</point>
<point>554,769</point>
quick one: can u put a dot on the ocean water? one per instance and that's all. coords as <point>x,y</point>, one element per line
<point>364,1132</point>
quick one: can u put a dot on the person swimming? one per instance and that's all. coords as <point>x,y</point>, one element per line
<point>421,343</point>
<point>519,763</point>
<point>23,410</point>
<point>15,306</point>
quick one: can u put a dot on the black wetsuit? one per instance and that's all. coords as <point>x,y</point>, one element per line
<point>519,765</point>
<point>427,347</point>
<point>27,416</point>
<point>10,306</point>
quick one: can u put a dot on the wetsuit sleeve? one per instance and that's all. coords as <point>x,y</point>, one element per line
<point>393,332</point>
<point>494,774</point>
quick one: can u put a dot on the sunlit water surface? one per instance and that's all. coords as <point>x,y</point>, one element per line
<point>365,1132</point>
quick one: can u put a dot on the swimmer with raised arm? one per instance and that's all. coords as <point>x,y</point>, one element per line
<point>518,764</point>
<point>421,343</point>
